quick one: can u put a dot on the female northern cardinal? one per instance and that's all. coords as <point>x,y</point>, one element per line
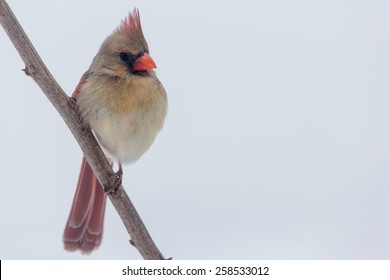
<point>124,104</point>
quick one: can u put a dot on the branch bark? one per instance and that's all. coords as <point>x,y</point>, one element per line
<point>36,69</point>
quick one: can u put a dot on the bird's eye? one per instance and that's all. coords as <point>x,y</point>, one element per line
<point>124,56</point>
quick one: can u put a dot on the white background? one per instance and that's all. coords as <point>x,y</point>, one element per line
<point>276,145</point>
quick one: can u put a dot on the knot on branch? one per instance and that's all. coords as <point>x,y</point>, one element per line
<point>29,70</point>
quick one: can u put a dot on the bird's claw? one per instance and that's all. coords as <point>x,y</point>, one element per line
<point>117,182</point>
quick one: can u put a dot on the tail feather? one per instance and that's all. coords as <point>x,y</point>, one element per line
<point>84,228</point>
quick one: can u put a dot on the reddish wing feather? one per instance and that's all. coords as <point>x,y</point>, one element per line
<point>81,83</point>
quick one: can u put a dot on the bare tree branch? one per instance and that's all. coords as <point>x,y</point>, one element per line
<point>37,70</point>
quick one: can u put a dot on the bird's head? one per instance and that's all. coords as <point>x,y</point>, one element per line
<point>125,52</point>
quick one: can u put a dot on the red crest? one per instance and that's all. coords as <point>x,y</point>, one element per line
<point>131,25</point>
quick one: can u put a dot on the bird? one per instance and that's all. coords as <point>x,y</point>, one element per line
<point>123,102</point>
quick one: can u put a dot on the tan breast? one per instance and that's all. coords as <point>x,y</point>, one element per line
<point>125,115</point>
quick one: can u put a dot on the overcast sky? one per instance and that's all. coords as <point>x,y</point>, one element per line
<point>276,144</point>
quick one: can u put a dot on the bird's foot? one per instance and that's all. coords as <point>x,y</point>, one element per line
<point>117,182</point>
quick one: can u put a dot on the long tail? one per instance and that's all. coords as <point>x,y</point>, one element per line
<point>84,228</point>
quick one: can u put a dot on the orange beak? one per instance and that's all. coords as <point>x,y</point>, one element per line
<point>144,63</point>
